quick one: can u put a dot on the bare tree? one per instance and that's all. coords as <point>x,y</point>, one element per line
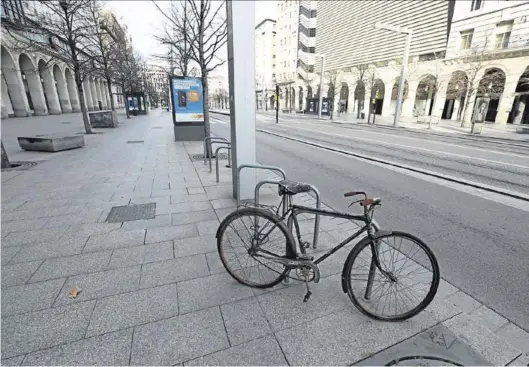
<point>367,75</point>
<point>70,22</point>
<point>333,91</point>
<point>206,36</point>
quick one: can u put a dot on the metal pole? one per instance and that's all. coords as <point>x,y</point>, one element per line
<point>277,104</point>
<point>402,80</point>
<point>321,84</point>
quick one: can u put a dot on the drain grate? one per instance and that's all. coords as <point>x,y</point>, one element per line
<point>135,142</point>
<point>200,157</point>
<point>20,166</point>
<point>127,213</point>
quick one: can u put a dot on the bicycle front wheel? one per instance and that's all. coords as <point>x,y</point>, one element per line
<point>248,241</point>
<point>404,283</point>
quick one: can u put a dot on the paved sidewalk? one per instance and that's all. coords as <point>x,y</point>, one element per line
<point>153,291</point>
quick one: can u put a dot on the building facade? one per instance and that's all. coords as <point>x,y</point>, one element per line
<point>157,80</point>
<point>35,84</point>
<point>265,63</point>
<point>460,51</point>
<point>286,49</point>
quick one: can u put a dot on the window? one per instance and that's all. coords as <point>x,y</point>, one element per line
<point>503,34</point>
<point>476,4</point>
<point>466,39</point>
<point>273,56</point>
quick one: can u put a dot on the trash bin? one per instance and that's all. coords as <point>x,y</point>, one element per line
<point>362,115</point>
<point>134,112</point>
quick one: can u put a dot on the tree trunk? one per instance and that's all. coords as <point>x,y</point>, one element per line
<point>84,110</point>
<point>109,86</point>
<point>125,99</point>
<point>465,107</point>
<point>5,158</point>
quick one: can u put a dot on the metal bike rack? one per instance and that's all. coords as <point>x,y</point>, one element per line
<point>290,221</point>
<point>228,148</point>
<point>204,145</point>
<point>256,166</point>
<point>219,142</point>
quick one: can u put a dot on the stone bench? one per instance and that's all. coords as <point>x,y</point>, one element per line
<point>51,143</point>
<point>104,119</point>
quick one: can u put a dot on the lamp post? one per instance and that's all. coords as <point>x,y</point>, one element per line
<point>408,33</point>
<point>321,82</point>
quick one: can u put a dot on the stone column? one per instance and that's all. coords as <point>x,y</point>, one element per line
<point>97,85</point>
<point>367,105</point>
<point>88,95</point>
<point>522,106</point>
<point>36,92</point>
<point>93,93</point>
<point>409,103</point>
<point>62,89</point>
<point>439,103</point>
<point>386,107</point>
<point>48,82</point>
<point>455,109</point>
<point>351,100</point>
<point>507,99</point>
<point>7,108</point>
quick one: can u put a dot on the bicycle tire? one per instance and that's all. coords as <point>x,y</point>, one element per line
<point>347,283</point>
<point>223,237</point>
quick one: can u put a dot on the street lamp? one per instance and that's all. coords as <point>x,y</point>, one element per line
<point>321,82</point>
<point>407,32</point>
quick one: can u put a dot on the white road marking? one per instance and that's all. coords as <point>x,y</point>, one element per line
<point>423,149</point>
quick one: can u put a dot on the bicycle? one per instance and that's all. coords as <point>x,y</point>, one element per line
<point>271,247</point>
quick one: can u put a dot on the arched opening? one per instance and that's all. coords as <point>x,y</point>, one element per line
<point>395,94</point>
<point>72,91</point>
<point>344,97</point>
<point>520,107</point>
<point>32,84</point>
<point>360,95</point>
<point>309,91</point>
<point>300,98</point>
<point>455,96</point>
<point>292,99</point>
<point>377,95</point>
<point>13,96</point>
<point>491,87</point>
<point>272,101</point>
<point>286,98</point>
<point>425,96</point>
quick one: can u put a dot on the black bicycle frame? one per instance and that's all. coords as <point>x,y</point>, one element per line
<point>294,210</point>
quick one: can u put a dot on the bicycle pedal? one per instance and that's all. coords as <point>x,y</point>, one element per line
<point>305,244</point>
<point>307,296</point>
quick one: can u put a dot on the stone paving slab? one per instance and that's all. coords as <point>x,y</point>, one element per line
<point>43,329</point>
<point>178,339</point>
<point>142,254</point>
<point>244,320</point>
<point>172,271</point>
<point>30,297</point>
<point>111,349</point>
<point>18,274</point>
<point>135,308</point>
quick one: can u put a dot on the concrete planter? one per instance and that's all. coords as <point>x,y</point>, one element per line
<point>51,143</point>
<point>103,119</point>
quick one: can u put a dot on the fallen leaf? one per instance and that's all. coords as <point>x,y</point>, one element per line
<point>74,292</point>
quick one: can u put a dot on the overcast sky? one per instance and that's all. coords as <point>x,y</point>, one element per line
<point>143,20</point>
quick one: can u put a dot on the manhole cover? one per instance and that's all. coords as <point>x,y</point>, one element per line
<point>200,157</point>
<point>135,142</point>
<point>127,213</point>
<point>437,346</point>
<point>66,122</point>
<point>20,166</point>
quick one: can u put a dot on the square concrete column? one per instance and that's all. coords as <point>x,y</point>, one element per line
<point>241,67</point>
<point>93,93</point>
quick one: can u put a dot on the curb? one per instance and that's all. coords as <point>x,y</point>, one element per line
<point>406,167</point>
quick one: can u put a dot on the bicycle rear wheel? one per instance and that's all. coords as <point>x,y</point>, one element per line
<point>247,242</point>
<point>403,286</point>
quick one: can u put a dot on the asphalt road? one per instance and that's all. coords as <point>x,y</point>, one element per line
<point>482,245</point>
